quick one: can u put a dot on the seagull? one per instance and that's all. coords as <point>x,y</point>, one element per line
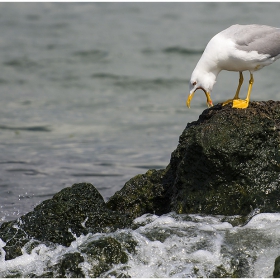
<point>238,48</point>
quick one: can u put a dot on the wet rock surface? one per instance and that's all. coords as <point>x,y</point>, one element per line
<point>75,210</point>
<point>276,271</point>
<point>145,193</point>
<point>228,162</point>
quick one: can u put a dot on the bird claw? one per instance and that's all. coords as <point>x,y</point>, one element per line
<point>226,102</point>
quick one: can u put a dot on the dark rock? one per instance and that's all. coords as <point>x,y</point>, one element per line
<point>276,271</point>
<point>67,267</point>
<point>142,194</point>
<point>227,162</point>
<point>102,254</point>
<point>76,210</point>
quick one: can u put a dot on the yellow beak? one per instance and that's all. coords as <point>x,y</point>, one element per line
<point>188,102</point>
<point>208,98</point>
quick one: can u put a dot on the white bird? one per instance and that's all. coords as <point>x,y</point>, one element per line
<point>238,48</point>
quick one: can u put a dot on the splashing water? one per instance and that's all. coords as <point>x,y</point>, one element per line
<point>167,246</point>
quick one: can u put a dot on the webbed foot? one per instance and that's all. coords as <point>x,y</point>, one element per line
<point>226,102</point>
<point>240,103</point>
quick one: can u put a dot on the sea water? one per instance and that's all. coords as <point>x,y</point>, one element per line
<point>174,246</point>
<point>95,92</point>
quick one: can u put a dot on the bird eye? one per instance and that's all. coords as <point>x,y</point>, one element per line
<point>194,83</point>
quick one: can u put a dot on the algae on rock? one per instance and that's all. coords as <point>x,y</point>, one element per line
<point>142,194</point>
<point>276,271</point>
<point>75,210</point>
<point>227,163</point>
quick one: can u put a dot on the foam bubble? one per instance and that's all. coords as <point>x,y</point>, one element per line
<point>169,246</point>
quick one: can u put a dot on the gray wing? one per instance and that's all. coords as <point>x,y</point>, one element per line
<point>261,38</point>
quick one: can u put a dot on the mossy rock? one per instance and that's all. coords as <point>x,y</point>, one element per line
<point>276,271</point>
<point>102,254</point>
<point>142,194</point>
<point>228,162</point>
<point>75,210</point>
<point>67,267</point>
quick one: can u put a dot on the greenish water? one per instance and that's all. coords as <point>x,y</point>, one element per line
<point>96,91</point>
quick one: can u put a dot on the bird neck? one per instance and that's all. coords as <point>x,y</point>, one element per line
<point>206,64</point>
<point>207,73</point>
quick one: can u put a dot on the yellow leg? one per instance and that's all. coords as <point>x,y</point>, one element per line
<point>242,104</point>
<point>236,96</point>
<point>241,79</point>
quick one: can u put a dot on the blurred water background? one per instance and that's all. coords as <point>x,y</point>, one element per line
<point>96,92</point>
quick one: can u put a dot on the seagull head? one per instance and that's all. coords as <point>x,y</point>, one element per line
<point>204,81</point>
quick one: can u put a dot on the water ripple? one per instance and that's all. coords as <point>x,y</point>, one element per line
<point>173,50</point>
<point>40,128</point>
<point>143,83</point>
<point>95,175</point>
<point>32,172</point>
<point>182,51</point>
<point>92,55</point>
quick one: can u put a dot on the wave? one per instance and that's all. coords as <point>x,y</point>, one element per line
<point>167,246</point>
<point>39,128</point>
<point>26,171</point>
<point>143,83</point>
<point>174,50</point>
<point>92,55</point>
<point>182,51</point>
<point>95,175</point>
<point>22,63</point>
<point>147,167</point>
<point>107,76</point>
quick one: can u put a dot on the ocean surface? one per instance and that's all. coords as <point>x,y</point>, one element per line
<point>95,92</point>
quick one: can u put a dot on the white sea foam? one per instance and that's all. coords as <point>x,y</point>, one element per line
<point>264,220</point>
<point>170,246</point>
